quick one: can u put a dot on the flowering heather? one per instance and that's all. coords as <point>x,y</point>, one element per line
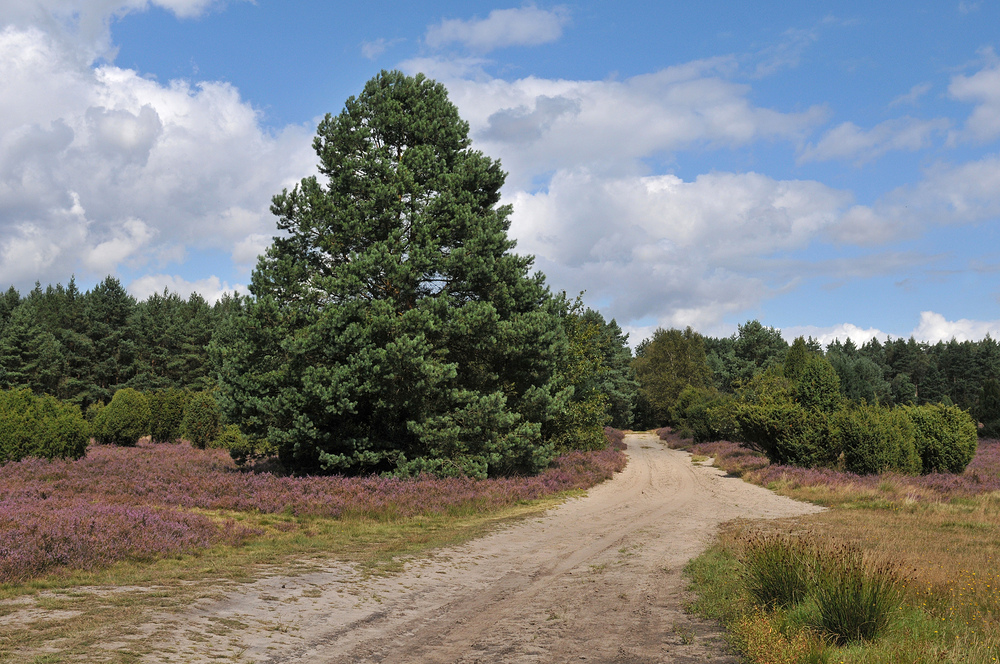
<point>124,503</point>
<point>616,439</point>
<point>981,476</point>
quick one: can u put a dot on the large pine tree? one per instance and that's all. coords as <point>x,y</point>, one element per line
<point>392,328</point>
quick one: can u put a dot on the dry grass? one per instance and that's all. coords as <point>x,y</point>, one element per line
<point>943,534</point>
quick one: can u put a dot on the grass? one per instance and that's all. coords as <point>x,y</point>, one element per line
<point>83,589</point>
<point>939,532</point>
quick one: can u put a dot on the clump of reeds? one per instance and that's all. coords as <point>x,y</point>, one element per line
<point>855,598</point>
<point>777,569</point>
<point>837,591</point>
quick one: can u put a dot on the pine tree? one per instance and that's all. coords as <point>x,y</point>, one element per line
<point>108,309</point>
<point>392,328</point>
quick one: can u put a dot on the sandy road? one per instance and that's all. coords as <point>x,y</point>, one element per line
<point>596,580</point>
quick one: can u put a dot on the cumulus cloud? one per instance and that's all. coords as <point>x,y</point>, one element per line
<point>527,26</point>
<point>211,288</point>
<point>688,253</point>
<point>983,90</point>
<point>100,166</point>
<point>848,141</point>
<point>537,125</point>
<point>934,327</point>
<point>86,24</point>
<point>948,195</point>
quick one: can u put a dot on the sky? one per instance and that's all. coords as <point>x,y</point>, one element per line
<point>831,169</point>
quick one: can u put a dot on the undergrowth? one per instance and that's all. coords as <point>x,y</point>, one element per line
<point>900,569</point>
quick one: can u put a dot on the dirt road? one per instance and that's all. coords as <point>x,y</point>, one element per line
<point>595,580</point>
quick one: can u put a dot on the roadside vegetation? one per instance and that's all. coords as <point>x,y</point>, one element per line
<point>921,549</point>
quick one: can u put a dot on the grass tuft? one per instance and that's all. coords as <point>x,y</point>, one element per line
<point>776,570</point>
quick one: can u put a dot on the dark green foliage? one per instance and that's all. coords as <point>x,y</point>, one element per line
<point>946,437</point>
<point>768,419</point>
<point>242,448</point>
<point>43,427</point>
<point>703,415</point>
<point>580,424</point>
<point>123,421</point>
<point>167,414</point>
<point>392,329</point>
<point>665,364</point>
<point>737,359</point>
<point>786,433</point>
<point>108,310</point>
<point>202,421</point>
<point>796,358</point>
<point>989,409</point>
<point>817,386</point>
<point>876,439</point>
<point>860,378</point>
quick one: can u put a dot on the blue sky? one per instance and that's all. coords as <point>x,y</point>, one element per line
<point>829,168</point>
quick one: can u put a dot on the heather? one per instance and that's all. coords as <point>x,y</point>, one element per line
<point>982,475</point>
<point>158,499</point>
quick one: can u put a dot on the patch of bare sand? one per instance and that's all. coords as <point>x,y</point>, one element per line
<point>596,580</point>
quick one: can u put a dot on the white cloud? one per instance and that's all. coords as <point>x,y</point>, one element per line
<point>687,253</point>
<point>86,23</point>
<point>100,166</point>
<point>968,193</point>
<point>211,288</point>
<point>848,141</point>
<point>785,54</point>
<point>934,327</point>
<point>537,126</point>
<point>527,26</point>
<point>249,248</point>
<point>373,49</point>
<point>983,90</point>
<point>827,335</point>
<point>911,97</point>
<point>124,244</point>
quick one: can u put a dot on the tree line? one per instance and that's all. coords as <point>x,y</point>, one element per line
<point>83,346</point>
<point>894,372</point>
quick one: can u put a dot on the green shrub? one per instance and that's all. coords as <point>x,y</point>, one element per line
<point>876,439</point>
<point>93,410</point>
<point>855,600</point>
<point>699,412</point>
<point>817,385</point>
<point>123,421</point>
<point>202,420</point>
<point>44,427</point>
<point>167,414</point>
<point>776,570</point>
<point>786,433</point>
<point>946,437</point>
<point>242,448</point>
